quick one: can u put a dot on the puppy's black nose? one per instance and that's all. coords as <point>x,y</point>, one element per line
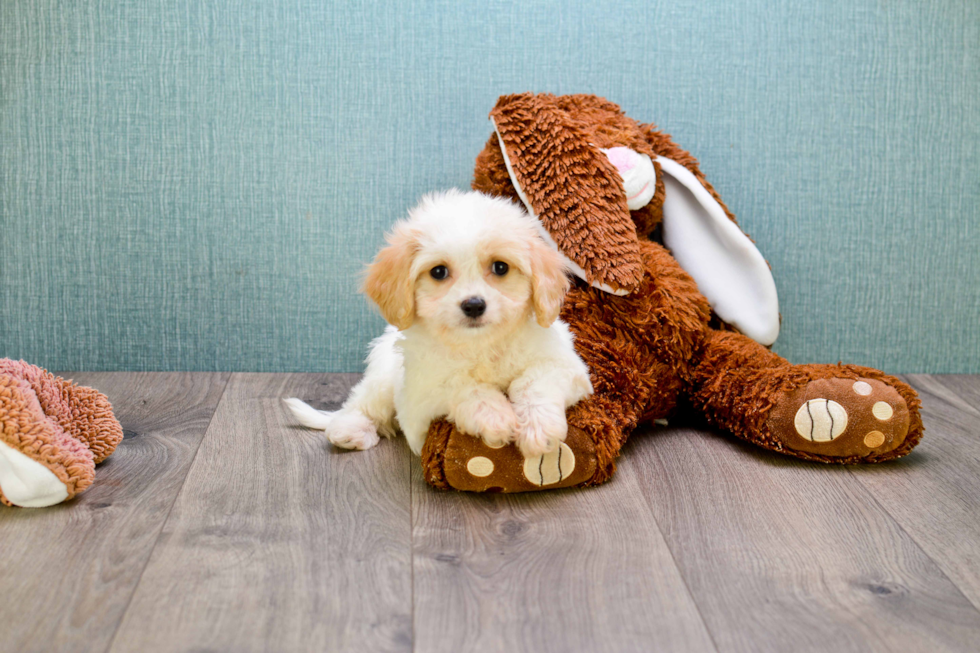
<point>473,306</point>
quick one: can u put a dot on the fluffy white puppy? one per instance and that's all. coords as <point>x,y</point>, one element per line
<point>471,293</point>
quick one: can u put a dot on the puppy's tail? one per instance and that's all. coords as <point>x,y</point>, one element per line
<point>309,416</point>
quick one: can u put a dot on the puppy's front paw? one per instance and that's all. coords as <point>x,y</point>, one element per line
<point>540,427</point>
<point>490,418</point>
<point>352,431</point>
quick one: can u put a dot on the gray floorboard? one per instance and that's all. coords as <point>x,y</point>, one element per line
<point>570,570</point>
<point>934,494</point>
<point>277,543</point>
<point>220,525</point>
<point>67,573</point>
<point>782,555</point>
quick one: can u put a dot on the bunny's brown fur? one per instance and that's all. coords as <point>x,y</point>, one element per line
<point>659,346</point>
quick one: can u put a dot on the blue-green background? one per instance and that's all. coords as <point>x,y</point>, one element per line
<point>197,185</point>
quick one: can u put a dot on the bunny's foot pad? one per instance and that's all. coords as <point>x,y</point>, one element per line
<point>469,464</point>
<point>851,420</point>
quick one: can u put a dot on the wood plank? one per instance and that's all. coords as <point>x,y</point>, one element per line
<point>277,542</point>
<point>782,555</point>
<point>934,493</point>
<point>69,571</point>
<point>568,570</point>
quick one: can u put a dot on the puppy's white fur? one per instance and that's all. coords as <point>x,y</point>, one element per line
<point>507,375</point>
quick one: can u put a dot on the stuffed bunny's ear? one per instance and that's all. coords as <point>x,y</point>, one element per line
<point>729,270</point>
<point>572,190</point>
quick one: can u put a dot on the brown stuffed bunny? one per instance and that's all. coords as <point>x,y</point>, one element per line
<point>657,324</point>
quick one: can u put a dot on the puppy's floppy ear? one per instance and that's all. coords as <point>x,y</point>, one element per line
<point>571,187</point>
<point>548,282</point>
<point>389,281</point>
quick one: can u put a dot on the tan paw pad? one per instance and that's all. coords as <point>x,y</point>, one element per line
<point>820,420</point>
<point>479,466</point>
<point>882,411</point>
<point>874,439</point>
<point>862,388</point>
<point>550,468</point>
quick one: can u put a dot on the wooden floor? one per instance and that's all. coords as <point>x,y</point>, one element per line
<point>218,525</point>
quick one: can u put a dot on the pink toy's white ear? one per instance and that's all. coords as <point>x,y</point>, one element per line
<point>729,270</point>
<point>27,483</point>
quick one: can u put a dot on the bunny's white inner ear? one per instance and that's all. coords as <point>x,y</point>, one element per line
<point>729,270</point>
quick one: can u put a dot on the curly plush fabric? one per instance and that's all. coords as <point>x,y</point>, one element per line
<point>552,160</point>
<point>66,427</point>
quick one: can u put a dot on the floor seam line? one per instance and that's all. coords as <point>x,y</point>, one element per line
<point>680,572</point>
<point>897,523</point>
<point>902,528</point>
<point>166,519</point>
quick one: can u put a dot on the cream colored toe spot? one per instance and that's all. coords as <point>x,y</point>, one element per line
<point>882,411</point>
<point>550,468</point>
<point>863,388</point>
<point>874,439</point>
<point>820,420</point>
<point>480,466</point>
<point>495,445</point>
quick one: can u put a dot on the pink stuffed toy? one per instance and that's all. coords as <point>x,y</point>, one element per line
<point>52,435</point>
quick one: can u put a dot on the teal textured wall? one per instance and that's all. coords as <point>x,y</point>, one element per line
<point>196,185</point>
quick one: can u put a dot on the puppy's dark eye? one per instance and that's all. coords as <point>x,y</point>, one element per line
<point>499,268</point>
<point>439,272</point>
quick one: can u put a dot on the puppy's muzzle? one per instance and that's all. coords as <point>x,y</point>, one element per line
<point>473,306</point>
